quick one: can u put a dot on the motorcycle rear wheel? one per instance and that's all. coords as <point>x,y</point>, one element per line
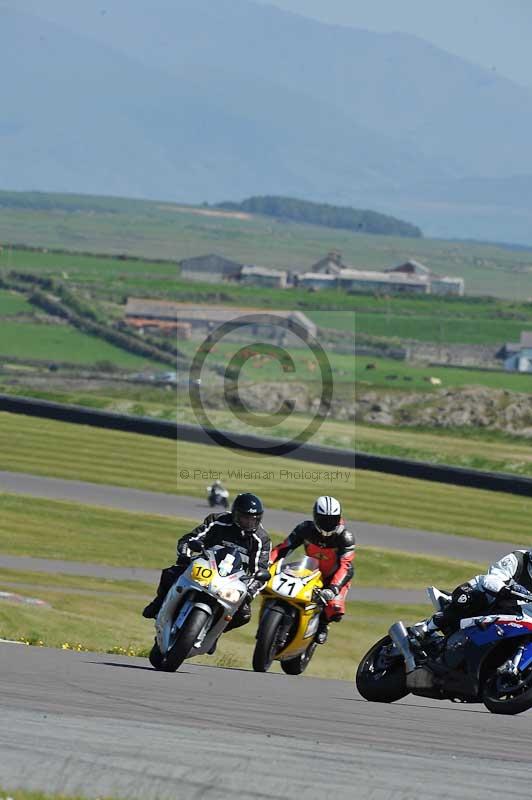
<point>379,680</point>
<point>505,699</point>
<point>297,665</point>
<point>185,640</point>
<point>264,652</point>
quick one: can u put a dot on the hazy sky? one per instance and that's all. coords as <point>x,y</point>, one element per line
<point>494,33</point>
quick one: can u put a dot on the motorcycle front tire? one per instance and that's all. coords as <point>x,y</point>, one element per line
<point>381,685</point>
<point>184,643</point>
<point>264,652</point>
<point>155,657</point>
<point>508,703</point>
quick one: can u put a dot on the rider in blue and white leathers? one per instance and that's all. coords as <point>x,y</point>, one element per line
<point>484,594</point>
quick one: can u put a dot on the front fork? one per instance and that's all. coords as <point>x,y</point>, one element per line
<point>271,606</point>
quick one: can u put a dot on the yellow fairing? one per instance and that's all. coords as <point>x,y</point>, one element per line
<point>294,584</point>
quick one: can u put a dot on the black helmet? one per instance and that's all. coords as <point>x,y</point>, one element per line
<point>247,511</point>
<point>327,513</point>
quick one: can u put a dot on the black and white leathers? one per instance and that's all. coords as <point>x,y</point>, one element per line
<point>254,546</point>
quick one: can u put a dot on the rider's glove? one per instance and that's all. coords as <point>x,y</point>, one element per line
<point>505,593</point>
<point>326,595</point>
<point>194,546</point>
<point>254,588</point>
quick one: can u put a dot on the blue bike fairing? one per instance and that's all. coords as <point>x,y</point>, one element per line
<point>497,630</point>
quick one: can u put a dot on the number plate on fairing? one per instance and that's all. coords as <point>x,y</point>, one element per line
<point>287,586</point>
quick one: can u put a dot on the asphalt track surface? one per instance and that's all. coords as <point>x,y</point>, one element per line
<point>100,725</point>
<point>106,725</point>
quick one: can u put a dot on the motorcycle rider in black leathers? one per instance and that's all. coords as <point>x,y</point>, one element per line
<point>483,594</point>
<point>242,527</point>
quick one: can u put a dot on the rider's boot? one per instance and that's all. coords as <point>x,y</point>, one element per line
<point>323,630</point>
<point>153,608</point>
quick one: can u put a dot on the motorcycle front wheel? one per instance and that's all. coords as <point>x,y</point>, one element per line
<point>155,657</point>
<point>265,649</point>
<point>380,677</point>
<point>506,694</point>
<point>184,642</point>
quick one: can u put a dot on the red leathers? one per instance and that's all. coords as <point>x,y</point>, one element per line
<point>335,554</point>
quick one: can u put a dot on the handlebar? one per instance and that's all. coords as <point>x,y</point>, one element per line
<point>527,596</point>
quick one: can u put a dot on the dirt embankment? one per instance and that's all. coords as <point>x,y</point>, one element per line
<point>479,407</point>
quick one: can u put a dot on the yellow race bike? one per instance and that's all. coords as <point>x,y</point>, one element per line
<point>289,616</point>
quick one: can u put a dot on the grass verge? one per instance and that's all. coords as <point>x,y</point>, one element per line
<point>113,624</point>
<point>49,448</point>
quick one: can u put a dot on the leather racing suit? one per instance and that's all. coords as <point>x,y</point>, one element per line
<point>485,594</point>
<point>254,547</point>
<point>335,554</point>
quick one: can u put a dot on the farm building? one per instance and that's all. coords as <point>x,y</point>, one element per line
<point>203,320</point>
<point>411,277</point>
<point>210,268</point>
<point>438,284</point>
<point>381,282</point>
<point>261,276</point>
<point>160,315</point>
<point>317,280</point>
<point>330,265</point>
<point>518,356</point>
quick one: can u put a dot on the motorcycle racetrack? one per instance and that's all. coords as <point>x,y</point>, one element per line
<point>105,725</point>
<point>98,725</point>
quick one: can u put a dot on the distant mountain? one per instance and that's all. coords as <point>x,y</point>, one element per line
<point>198,100</point>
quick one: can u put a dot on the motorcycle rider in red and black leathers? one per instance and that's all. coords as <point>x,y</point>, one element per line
<point>327,539</point>
<point>241,527</point>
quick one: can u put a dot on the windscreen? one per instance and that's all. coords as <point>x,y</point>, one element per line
<point>228,560</point>
<point>305,563</point>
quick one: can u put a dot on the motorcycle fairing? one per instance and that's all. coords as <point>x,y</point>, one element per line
<point>481,635</point>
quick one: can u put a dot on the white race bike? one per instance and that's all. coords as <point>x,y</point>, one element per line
<point>199,606</point>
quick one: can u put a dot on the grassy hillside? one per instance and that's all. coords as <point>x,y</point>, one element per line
<point>63,343</point>
<point>163,230</point>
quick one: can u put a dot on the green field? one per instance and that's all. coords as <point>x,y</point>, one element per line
<point>51,342</point>
<point>435,319</point>
<point>12,303</point>
<point>261,364</point>
<point>410,376</point>
<point>45,447</point>
<point>162,230</point>
<point>442,328</point>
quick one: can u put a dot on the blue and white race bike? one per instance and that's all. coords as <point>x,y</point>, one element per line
<point>488,660</point>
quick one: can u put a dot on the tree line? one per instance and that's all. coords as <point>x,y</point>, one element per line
<point>344,217</point>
